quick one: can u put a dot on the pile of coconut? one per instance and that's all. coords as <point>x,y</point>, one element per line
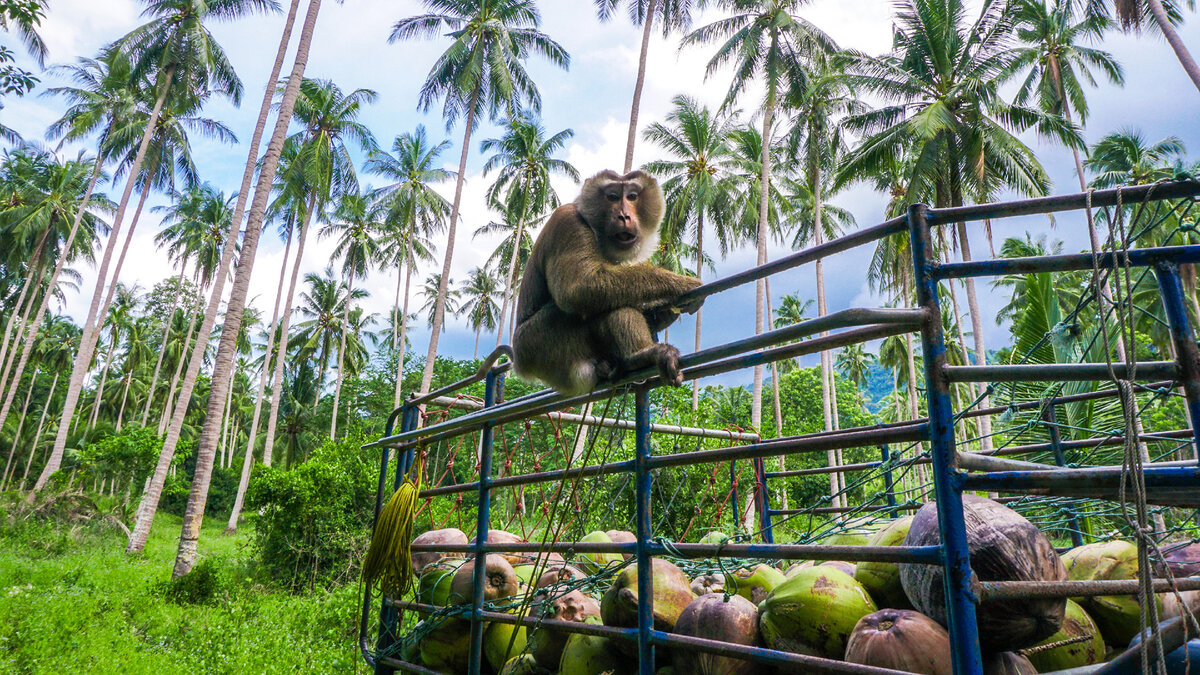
<point>877,614</point>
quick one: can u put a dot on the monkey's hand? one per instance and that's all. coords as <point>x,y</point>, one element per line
<point>690,305</point>
<point>658,318</point>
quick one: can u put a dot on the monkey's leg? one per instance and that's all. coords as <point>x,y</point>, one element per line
<point>556,348</point>
<point>625,335</point>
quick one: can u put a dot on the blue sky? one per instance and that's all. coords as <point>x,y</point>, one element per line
<point>592,97</point>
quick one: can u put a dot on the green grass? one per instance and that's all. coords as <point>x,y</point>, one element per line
<point>72,601</point>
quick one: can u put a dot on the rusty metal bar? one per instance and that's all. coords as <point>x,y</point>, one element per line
<point>1059,372</point>
<point>1010,590</point>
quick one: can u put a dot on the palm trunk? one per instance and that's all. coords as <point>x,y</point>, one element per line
<point>699,315</point>
<point>439,304</point>
<point>270,163</point>
<point>162,348</point>
<point>1181,51</point>
<point>764,186</point>
<point>112,347</point>
<point>20,425</point>
<point>510,280</point>
<point>22,308</point>
<point>478,331</point>
<point>337,387</point>
<point>396,308</point>
<point>225,425</point>
<point>248,459</point>
<point>826,376</point>
<point>403,330</point>
<point>776,404</point>
<point>985,421</point>
<point>87,342</point>
<point>37,436</point>
<point>170,403</point>
<point>124,398</point>
<point>647,26</point>
<point>284,334</point>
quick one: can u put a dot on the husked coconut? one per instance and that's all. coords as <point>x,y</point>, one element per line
<point>545,643</point>
<point>500,581</point>
<point>901,639</point>
<point>708,583</point>
<point>443,537</point>
<point>671,590</point>
<point>502,537</point>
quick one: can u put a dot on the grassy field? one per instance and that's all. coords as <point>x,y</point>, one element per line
<point>73,602</point>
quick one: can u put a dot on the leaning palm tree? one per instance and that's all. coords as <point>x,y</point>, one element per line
<point>415,211</point>
<point>673,15</point>
<point>1166,14</point>
<point>771,42</point>
<point>482,73</point>
<point>697,182</point>
<point>479,302</point>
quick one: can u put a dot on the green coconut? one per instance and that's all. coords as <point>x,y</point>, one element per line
<point>671,595</point>
<point>841,565</point>
<point>882,579</point>
<point>795,569</point>
<point>1003,546</point>
<point>1119,617</point>
<point>1076,624</point>
<point>901,639</point>
<point>814,612</point>
<point>434,585</point>
<point>856,532</point>
<point>713,617</point>
<point>524,664</point>
<point>754,583</point>
<point>593,655</point>
<point>545,643</point>
<point>714,537</point>
<point>525,573</point>
<point>496,641</point>
<point>446,647</point>
<point>594,562</point>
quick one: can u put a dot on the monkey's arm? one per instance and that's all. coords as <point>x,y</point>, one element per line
<point>586,285</point>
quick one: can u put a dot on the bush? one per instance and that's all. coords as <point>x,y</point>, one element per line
<point>204,585</point>
<point>222,489</point>
<point>315,519</point>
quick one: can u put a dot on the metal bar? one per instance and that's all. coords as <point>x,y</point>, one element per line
<point>1050,416</point>
<point>1100,477</point>
<point>956,561</point>
<point>975,461</point>
<point>486,368</point>
<point>911,554</point>
<point>1072,202</point>
<point>492,391</point>
<point>1071,262</point>
<point>405,666</point>
<point>1070,398</point>
<point>764,501</point>
<point>1011,590</point>
<point>1184,340</point>
<point>645,580</point>
<point>1060,372</point>
<point>854,438</point>
<point>612,423</point>
<point>889,485</point>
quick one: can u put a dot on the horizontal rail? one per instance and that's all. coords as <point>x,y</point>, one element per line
<point>534,478</point>
<point>489,362</point>
<point>977,461</point>
<point>1099,477</point>
<point>612,423</point>
<point>866,508</point>
<point>1059,372</point>
<point>1071,262</point>
<point>897,554</point>
<point>1071,202</point>
<point>405,666</point>
<point>838,440</point>
<point>1009,590</point>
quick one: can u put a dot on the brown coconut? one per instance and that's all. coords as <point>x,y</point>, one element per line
<point>1184,561</point>
<point>672,595</point>
<point>622,537</point>
<point>502,537</point>
<point>1007,663</point>
<point>546,644</point>
<point>1003,546</point>
<point>712,617</point>
<point>901,639</point>
<point>708,583</point>
<point>449,535</point>
<point>557,574</point>
<point>500,581</point>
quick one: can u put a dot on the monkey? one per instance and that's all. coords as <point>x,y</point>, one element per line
<point>590,302</point>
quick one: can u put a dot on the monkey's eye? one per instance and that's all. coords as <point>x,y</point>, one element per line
<point>613,197</point>
<point>632,196</point>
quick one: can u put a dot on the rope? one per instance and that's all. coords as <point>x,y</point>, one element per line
<point>389,559</point>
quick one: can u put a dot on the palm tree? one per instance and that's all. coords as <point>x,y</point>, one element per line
<point>696,181</point>
<point>266,177</point>
<point>119,318</point>
<point>1166,15</point>
<point>1125,158</point>
<point>515,246</point>
<point>479,302</point>
<point>431,292</point>
<point>359,249</point>
<point>766,40</point>
<point>855,363</point>
<point>674,15</point>
<point>176,50</point>
<point>522,191</point>
<point>323,305</point>
<point>483,72</point>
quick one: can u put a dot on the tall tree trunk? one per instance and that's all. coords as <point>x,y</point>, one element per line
<point>699,315</point>
<point>91,328</point>
<point>248,459</point>
<point>22,308</point>
<point>124,398</point>
<point>647,26</point>
<point>985,421</point>
<point>764,186</point>
<point>284,334</point>
<point>270,163</point>
<point>20,425</point>
<point>193,515</point>
<point>478,331</point>
<point>776,404</point>
<point>827,409</point>
<point>439,304</point>
<point>337,387</point>
<point>403,330</point>
<point>1181,51</point>
<point>37,436</point>
<point>169,404</point>
<point>162,348</point>
<point>112,347</point>
<point>510,280</point>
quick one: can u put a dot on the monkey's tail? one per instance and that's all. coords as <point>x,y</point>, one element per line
<point>389,559</point>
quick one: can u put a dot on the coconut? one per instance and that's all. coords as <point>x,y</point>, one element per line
<point>714,537</point>
<point>1076,624</point>
<point>712,617</point>
<point>524,664</point>
<point>755,583</point>
<point>496,642</point>
<point>1173,608</point>
<point>1119,617</point>
<point>593,655</point>
<point>1007,663</point>
<point>502,537</point>
<point>856,532</point>
<point>882,579</point>
<point>449,535</point>
<point>1003,547</point>
<point>847,567</point>
<point>525,573</point>
<point>901,639</point>
<point>672,594</point>
<point>499,581</point>
<point>1184,561</point>
<point>594,562</point>
<point>546,644</point>
<point>814,612</point>
<point>446,647</point>
<point>557,574</point>
<point>708,583</point>
<point>794,569</point>
<point>622,537</point>
<point>434,585</point>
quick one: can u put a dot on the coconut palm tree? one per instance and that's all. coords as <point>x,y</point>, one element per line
<point>1126,158</point>
<point>431,292</point>
<point>771,42</point>
<point>323,306</point>
<point>697,182</point>
<point>482,73</point>
<point>358,221</point>
<point>516,243</point>
<point>1165,14</point>
<point>854,361</point>
<point>673,15</point>
<point>479,302</point>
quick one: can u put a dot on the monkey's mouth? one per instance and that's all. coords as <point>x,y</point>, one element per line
<point>625,238</point>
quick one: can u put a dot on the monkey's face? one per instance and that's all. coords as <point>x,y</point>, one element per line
<point>623,229</point>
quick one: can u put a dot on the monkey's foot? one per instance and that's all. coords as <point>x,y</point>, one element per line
<point>668,366</point>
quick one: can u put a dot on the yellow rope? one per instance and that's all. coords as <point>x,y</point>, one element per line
<point>389,559</point>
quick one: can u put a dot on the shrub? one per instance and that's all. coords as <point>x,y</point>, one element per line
<point>204,585</point>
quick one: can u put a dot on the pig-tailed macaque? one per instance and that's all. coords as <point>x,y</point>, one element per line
<point>590,302</point>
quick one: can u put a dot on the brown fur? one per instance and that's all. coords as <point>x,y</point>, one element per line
<point>581,313</point>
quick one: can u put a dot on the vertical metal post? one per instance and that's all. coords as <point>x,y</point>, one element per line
<point>888,485</point>
<point>1050,417</point>
<point>1186,354</point>
<point>388,616</point>
<point>947,481</point>
<point>764,500</point>
<point>644,533</point>
<point>737,510</point>
<point>493,388</point>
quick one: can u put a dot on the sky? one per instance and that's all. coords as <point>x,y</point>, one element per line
<point>592,97</point>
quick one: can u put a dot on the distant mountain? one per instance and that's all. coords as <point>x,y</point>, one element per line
<point>879,385</point>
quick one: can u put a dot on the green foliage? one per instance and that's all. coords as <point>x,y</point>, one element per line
<point>203,585</point>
